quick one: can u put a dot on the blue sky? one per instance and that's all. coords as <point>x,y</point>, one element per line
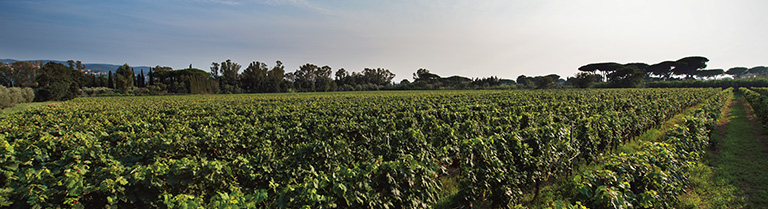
<point>471,38</point>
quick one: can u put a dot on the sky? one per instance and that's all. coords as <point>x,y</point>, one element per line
<point>471,38</point>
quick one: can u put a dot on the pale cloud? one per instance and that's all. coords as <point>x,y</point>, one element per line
<point>224,2</point>
<point>300,4</point>
<point>471,38</point>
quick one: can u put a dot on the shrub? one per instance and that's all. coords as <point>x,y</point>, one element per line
<point>15,95</point>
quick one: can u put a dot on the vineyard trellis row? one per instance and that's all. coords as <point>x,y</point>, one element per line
<point>373,150</point>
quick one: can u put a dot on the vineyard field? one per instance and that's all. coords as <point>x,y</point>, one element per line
<point>320,150</point>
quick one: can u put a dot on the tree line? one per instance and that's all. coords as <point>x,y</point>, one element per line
<point>634,74</point>
<point>54,81</point>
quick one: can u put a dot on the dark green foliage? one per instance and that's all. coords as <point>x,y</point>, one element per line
<point>662,69</point>
<point>5,75</point>
<point>254,77</point>
<point>604,67</point>
<point>737,72</point>
<point>544,82</point>
<point>688,66</point>
<point>312,78</point>
<point>378,77</point>
<point>584,80</point>
<point>18,74</point>
<point>57,82</point>
<point>229,73</point>
<point>759,102</point>
<point>184,81</point>
<point>141,80</point>
<point>760,71</point>
<point>110,81</point>
<point>124,78</point>
<point>709,73</point>
<point>626,77</point>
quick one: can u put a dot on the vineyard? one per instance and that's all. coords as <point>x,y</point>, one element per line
<point>343,150</point>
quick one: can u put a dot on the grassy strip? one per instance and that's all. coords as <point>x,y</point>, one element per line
<point>742,154</point>
<point>709,187</point>
<point>21,107</point>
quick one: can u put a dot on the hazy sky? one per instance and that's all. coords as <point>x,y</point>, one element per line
<point>472,38</point>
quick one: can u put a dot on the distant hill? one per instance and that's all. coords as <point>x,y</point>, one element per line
<point>94,67</point>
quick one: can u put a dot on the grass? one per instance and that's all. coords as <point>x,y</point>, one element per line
<point>23,106</point>
<point>448,191</point>
<point>709,187</point>
<point>742,155</point>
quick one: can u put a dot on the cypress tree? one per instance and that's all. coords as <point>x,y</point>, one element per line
<point>110,83</point>
<point>141,79</point>
<point>151,77</point>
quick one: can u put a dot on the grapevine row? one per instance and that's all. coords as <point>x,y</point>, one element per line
<point>321,150</point>
<point>656,175</point>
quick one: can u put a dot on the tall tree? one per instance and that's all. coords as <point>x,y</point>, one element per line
<point>424,75</point>
<point>306,77</point>
<point>737,72</point>
<point>230,71</point>
<point>590,68</point>
<point>709,73</point>
<point>215,70</point>
<point>689,65</point>
<point>662,69</point>
<point>584,80</point>
<point>341,76</point>
<point>71,64</point>
<point>626,77</point>
<point>141,78</point>
<point>640,66</point>
<point>253,78</point>
<point>759,71</point>
<point>151,77</point>
<point>378,76</point>
<point>22,74</point>
<point>124,78</point>
<point>5,75</point>
<point>603,67</point>
<point>79,65</point>
<point>275,77</point>
<point>544,82</point>
<point>56,82</point>
<point>525,81</point>
<point>324,81</point>
<point>110,81</point>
